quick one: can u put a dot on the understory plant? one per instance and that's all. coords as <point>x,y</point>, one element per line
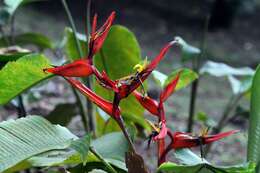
<point>107,77</point>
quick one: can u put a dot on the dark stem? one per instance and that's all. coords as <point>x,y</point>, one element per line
<point>86,80</point>
<point>110,168</point>
<point>196,64</point>
<point>21,109</point>
<point>83,115</point>
<point>225,116</point>
<point>121,124</point>
<point>194,88</point>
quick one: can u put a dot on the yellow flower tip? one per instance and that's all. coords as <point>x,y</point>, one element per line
<point>140,67</point>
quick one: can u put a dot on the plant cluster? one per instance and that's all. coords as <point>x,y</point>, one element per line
<point>105,66</point>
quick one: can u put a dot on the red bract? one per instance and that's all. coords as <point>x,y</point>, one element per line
<point>98,36</point>
<point>78,68</point>
<point>99,101</point>
<point>180,140</point>
<point>83,67</point>
<point>156,108</point>
<point>126,85</point>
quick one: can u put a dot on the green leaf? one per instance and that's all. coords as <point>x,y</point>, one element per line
<point>23,138</point>
<point>188,52</point>
<point>82,147</point>
<point>253,152</point>
<point>221,69</point>
<point>65,111</point>
<point>18,76</point>
<point>30,38</point>
<point>111,146</point>
<point>187,157</point>
<point>117,57</point>
<point>170,167</point>
<point>71,46</point>
<point>187,76</point>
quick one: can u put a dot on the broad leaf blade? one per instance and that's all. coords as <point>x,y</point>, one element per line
<point>254,122</point>
<point>26,137</point>
<point>17,76</point>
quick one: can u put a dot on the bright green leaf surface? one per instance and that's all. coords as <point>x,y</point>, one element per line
<point>17,76</point>
<point>254,122</point>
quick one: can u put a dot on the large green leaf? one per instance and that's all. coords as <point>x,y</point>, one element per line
<point>220,69</point>
<point>112,147</point>
<point>170,167</point>
<point>254,122</point>
<point>117,57</point>
<point>71,46</point>
<point>17,76</point>
<point>186,77</point>
<point>26,137</point>
<point>30,38</point>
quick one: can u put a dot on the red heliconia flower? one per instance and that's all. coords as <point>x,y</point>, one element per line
<point>78,68</point>
<point>84,67</point>
<point>99,101</point>
<point>98,37</point>
<point>126,85</point>
<point>156,108</point>
<point>180,140</point>
<point>186,140</point>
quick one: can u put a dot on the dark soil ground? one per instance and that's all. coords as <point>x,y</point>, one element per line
<point>238,46</point>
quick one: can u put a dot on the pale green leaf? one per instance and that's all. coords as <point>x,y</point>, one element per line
<point>23,138</point>
<point>220,69</point>
<point>188,52</point>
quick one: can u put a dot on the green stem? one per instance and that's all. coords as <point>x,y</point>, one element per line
<point>72,24</point>
<point>80,51</point>
<point>109,167</point>
<point>21,108</point>
<point>83,115</point>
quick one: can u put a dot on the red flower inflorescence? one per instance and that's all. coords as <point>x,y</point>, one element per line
<point>123,87</point>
